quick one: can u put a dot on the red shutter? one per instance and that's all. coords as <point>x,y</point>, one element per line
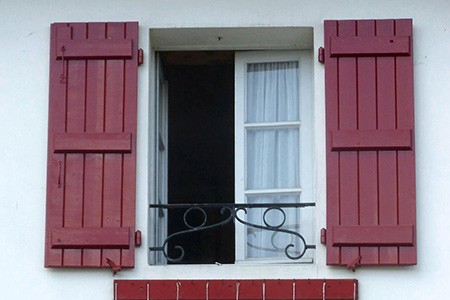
<point>92,145</point>
<point>370,143</point>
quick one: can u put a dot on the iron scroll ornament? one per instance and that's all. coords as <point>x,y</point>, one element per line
<point>230,211</point>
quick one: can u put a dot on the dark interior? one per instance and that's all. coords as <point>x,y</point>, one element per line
<point>201,149</point>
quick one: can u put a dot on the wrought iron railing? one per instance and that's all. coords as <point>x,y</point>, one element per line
<point>230,213</point>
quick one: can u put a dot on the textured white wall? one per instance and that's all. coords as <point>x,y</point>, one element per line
<point>24,51</point>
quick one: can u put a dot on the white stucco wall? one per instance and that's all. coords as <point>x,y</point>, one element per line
<point>24,65</point>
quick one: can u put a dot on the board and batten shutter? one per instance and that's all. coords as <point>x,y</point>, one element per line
<point>371,214</point>
<point>91,171</point>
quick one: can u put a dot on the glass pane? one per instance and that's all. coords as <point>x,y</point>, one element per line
<point>268,243</point>
<point>272,158</point>
<point>272,92</point>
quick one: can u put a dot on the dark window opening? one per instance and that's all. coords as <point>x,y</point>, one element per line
<point>201,149</point>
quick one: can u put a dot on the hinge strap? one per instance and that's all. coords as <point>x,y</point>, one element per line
<point>138,238</point>
<point>140,57</point>
<point>323,236</point>
<point>321,56</point>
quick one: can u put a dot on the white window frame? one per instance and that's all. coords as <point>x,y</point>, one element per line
<point>305,188</point>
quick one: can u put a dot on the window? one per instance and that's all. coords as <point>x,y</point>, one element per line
<point>234,150</point>
<point>91,179</point>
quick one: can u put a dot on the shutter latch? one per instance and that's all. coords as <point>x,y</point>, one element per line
<point>352,266</point>
<point>114,267</point>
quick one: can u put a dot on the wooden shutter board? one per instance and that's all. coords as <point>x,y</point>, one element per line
<point>73,177</point>
<point>94,49</point>
<point>89,179</point>
<point>348,161</point>
<point>370,45</point>
<point>373,235</point>
<point>406,175</point>
<point>370,139</point>
<point>94,174</point>
<point>92,142</point>
<point>91,238</point>
<point>367,114</point>
<point>55,162</point>
<point>113,163</point>
<point>374,190</point>
<point>332,159</point>
<point>387,166</point>
<point>129,159</point>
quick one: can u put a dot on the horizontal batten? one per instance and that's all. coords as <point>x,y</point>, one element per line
<point>275,125</point>
<point>395,235</point>
<point>94,49</point>
<point>272,191</point>
<point>351,140</point>
<point>370,46</point>
<point>90,238</point>
<point>92,142</point>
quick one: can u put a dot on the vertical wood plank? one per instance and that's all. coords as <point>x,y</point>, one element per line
<point>74,176</point>
<point>93,181</point>
<point>367,119</point>
<point>405,119</point>
<point>55,162</point>
<point>348,160</point>
<point>332,121</point>
<point>129,160</point>
<point>387,161</point>
<point>113,172</point>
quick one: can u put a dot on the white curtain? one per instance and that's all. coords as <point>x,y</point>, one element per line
<point>272,152</point>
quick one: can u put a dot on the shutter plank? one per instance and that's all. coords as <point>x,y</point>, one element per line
<point>95,104</point>
<point>129,159</point>
<point>90,238</point>
<point>405,119</point>
<point>394,235</point>
<point>114,117</point>
<point>74,200</point>
<point>387,159</point>
<point>370,45</point>
<point>94,49</point>
<point>367,160</point>
<point>92,142</point>
<point>55,162</point>
<point>370,139</point>
<point>348,161</point>
<point>332,121</point>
